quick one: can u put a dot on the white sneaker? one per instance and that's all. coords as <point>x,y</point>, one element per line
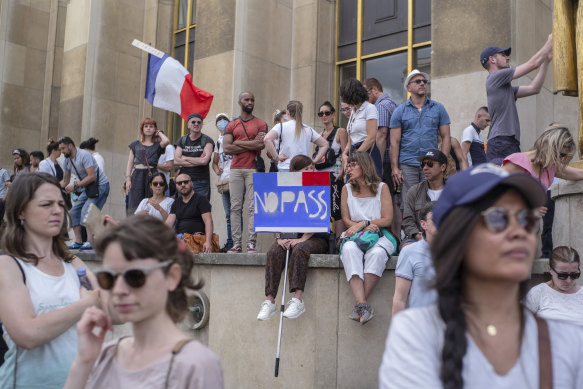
<point>267,310</point>
<point>294,308</point>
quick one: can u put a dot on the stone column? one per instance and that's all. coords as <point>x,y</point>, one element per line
<point>568,223</point>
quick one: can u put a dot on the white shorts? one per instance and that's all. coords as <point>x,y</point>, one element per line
<point>375,258</point>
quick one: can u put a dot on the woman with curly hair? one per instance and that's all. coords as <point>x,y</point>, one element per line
<point>366,206</point>
<point>146,272</point>
<point>21,162</point>
<point>362,125</point>
<point>479,335</point>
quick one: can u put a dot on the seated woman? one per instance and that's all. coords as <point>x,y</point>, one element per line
<point>155,270</point>
<point>300,250</point>
<point>479,335</point>
<point>561,298</point>
<point>158,205</point>
<point>549,157</point>
<point>366,206</point>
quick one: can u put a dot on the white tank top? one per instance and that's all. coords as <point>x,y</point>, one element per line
<point>364,208</point>
<point>46,366</point>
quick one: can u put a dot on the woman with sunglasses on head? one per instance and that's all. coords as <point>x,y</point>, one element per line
<point>21,162</point>
<point>479,335</point>
<point>337,139</point>
<point>366,206</point>
<point>146,272</point>
<point>41,298</point>
<point>143,162</point>
<point>294,138</point>
<point>362,125</point>
<point>158,205</point>
<point>560,298</point>
<point>300,247</point>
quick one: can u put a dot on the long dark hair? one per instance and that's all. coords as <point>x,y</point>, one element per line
<point>17,198</point>
<point>144,236</point>
<point>448,252</point>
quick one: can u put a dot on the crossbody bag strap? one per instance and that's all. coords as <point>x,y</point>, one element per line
<point>177,347</point>
<point>544,354</point>
<point>75,168</point>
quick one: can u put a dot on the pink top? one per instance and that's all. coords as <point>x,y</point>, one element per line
<point>520,159</point>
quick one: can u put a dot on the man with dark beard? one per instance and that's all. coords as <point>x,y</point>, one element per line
<point>244,140</point>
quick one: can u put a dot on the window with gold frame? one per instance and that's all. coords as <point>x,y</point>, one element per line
<point>183,51</point>
<point>384,39</point>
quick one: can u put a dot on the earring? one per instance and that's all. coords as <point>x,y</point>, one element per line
<point>22,222</point>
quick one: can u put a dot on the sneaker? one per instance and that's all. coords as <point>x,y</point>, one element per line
<point>226,247</point>
<point>294,309</point>
<point>355,315</point>
<point>75,246</point>
<point>267,310</point>
<point>366,313</point>
<point>251,248</point>
<point>236,249</point>
<point>87,246</point>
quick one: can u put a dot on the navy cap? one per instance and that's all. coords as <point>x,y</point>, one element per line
<point>435,155</point>
<point>194,115</point>
<point>492,50</point>
<point>472,184</point>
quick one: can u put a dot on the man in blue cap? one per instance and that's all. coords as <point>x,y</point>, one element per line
<point>504,135</point>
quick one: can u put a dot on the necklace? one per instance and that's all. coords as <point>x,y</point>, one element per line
<point>491,330</point>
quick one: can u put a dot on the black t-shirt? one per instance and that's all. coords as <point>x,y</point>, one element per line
<point>195,148</point>
<point>189,215</point>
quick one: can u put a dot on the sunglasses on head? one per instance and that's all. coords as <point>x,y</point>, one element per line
<point>133,277</point>
<point>498,219</point>
<point>158,183</point>
<point>324,113</point>
<point>428,163</point>
<point>178,183</point>
<point>421,80</point>
<point>564,276</point>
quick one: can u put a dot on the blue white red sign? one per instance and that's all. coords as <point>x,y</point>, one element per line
<point>292,202</point>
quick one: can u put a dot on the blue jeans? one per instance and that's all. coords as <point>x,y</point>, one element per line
<point>203,188</point>
<point>79,210</point>
<point>227,207</point>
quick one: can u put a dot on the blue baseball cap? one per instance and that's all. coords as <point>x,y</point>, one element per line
<point>472,184</point>
<point>492,50</point>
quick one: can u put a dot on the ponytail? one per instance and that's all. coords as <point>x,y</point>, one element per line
<point>295,109</point>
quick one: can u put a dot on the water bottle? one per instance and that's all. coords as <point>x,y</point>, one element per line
<point>82,274</point>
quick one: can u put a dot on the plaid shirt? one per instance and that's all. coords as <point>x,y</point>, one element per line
<point>385,106</point>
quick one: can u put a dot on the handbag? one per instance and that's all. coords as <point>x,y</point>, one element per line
<point>259,162</point>
<point>330,157</point>
<point>91,190</point>
<point>223,186</point>
<point>194,242</point>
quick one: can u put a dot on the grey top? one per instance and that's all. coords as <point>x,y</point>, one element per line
<point>4,176</point>
<point>83,160</point>
<point>415,264</point>
<point>502,104</point>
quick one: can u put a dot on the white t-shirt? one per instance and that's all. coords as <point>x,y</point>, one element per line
<point>291,146</point>
<point>357,123</point>
<point>434,194</point>
<point>100,161</point>
<point>224,159</point>
<point>551,304</point>
<point>167,156</point>
<point>165,204</point>
<point>471,135</point>
<point>412,356</point>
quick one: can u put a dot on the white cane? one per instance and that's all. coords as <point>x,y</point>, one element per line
<point>281,314</point>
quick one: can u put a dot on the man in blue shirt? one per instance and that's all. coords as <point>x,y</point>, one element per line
<point>415,125</point>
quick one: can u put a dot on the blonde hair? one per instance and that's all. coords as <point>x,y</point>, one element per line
<point>295,109</point>
<point>549,146</point>
<point>369,172</point>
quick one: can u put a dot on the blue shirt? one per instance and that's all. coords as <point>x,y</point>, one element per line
<point>414,264</point>
<point>385,106</point>
<point>419,129</point>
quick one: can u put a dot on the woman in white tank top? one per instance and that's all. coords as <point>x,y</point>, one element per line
<point>40,294</point>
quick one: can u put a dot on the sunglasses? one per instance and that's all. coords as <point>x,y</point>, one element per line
<point>424,81</point>
<point>158,183</point>
<point>564,276</point>
<point>428,163</point>
<point>178,183</point>
<point>346,109</point>
<point>133,277</point>
<point>352,165</point>
<point>498,219</point>
<point>563,155</point>
<point>325,113</point>
<point>196,121</point>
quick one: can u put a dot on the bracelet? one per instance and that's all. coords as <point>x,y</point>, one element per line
<point>366,223</point>
<point>277,236</point>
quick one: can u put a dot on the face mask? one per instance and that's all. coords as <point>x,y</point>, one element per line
<point>222,124</point>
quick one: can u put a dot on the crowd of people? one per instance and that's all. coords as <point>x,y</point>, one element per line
<point>463,217</point>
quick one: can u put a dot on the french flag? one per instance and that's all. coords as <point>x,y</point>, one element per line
<point>169,86</point>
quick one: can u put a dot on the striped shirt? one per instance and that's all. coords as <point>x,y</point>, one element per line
<point>385,106</point>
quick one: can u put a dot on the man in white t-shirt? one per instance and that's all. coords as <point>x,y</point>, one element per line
<point>414,273</point>
<point>166,163</point>
<point>472,139</point>
<point>433,164</point>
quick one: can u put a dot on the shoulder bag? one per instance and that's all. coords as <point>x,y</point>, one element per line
<point>91,190</point>
<point>329,158</point>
